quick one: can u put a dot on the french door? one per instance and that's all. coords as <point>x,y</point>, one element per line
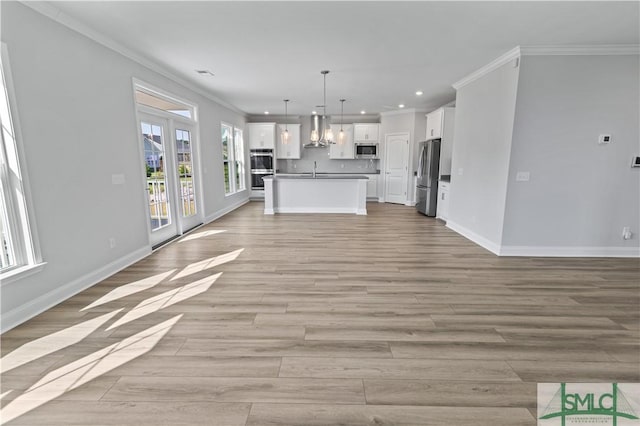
<point>170,188</point>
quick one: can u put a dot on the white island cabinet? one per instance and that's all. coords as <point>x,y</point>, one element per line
<point>320,194</point>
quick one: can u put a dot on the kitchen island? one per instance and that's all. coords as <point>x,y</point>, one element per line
<point>315,194</point>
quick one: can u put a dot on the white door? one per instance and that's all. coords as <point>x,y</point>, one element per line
<point>170,177</point>
<point>396,167</point>
<point>189,215</point>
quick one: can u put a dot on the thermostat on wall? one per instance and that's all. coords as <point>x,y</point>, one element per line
<point>635,162</point>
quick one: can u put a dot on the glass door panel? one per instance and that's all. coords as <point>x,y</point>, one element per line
<point>159,179</point>
<point>154,154</point>
<point>185,172</point>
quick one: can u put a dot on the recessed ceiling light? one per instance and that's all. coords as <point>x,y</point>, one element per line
<point>266,112</point>
<point>205,72</point>
<point>363,112</point>
<point>419,93</point>
<point>401,106</point>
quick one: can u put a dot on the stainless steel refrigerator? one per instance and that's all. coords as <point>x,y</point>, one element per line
<point>428,164</point>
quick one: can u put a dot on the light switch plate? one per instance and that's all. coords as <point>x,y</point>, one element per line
<point>522,176</point>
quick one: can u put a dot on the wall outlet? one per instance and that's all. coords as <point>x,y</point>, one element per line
<point>295,166</point>
<point>604,139</point>
<point>460,171</point>
<point>626,233</point>
<point>342,165</point>
<point>522,176</point>
<point>112,242</point>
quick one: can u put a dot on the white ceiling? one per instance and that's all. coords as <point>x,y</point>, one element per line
<point>379,53</point>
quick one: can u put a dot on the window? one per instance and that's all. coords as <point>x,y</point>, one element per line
<point>17,247</point>
<point>163,103</point>
<point>233,159</point>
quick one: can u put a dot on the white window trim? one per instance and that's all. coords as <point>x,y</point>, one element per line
<point>160,93</point>
<point>30,257</point>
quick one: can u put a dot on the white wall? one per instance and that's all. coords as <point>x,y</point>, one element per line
<point>485,110</point>
<point>580,194</point>
<point>76,111</point>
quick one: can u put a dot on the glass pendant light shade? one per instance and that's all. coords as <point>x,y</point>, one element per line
<point>341,134</point>
<point>329,134</point>
<point>284,136</point>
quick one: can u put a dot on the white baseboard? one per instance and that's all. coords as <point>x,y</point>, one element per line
<point>543,251</point>
<point>539,251</point>
<point>218,214</point>
<point>478,239</point>
<point>40,304</point>
<point>339,210</point>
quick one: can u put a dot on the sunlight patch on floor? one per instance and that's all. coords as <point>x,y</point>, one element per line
<point>77,373</point>
<point>129,289</point>
<point>53,342</point>
<point>168,298</point>
<point>202,234</point>
<point>208,263</point>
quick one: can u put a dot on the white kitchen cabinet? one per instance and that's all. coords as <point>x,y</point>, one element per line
<point>262,135</point>
<point>366,132</point>
<point>342,151</point>
<point>372,186</point>
<point>290,150</point>
<point>434,124</point>
<point>440,126</point>
<point>442,207</point>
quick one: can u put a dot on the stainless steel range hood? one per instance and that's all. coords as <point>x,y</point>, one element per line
<point>319,125</point>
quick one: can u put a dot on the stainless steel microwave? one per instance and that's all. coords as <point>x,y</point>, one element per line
<point>366,150</point>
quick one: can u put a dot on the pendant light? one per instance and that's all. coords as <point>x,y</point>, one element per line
<point>284,136</point>
<point>341,135</point>
<point>327,133</point>
<point>321,134</point>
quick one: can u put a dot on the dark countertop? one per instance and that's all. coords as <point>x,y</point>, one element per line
<point>373,172</point>
<point>318,176</point>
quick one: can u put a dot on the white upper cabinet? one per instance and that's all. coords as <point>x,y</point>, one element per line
<point>366,132</point>
<point>291,149</point>
<point>342,150</point>
<point>440,124</point>
<point>262,135</point>
<point>434,124</point>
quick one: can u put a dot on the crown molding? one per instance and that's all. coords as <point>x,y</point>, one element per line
<point>601,49</point>
<point>566,50</point>
<point>496,63</point>
<point>50,11</point>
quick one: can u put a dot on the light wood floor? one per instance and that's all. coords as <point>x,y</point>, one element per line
<point>320,320</point>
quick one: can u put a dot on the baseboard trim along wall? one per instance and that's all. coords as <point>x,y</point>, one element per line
<point>543,251</point>
<point>537,251</point>
<point>48,300</point>
<point>472,236</point>
<point>218,214</point>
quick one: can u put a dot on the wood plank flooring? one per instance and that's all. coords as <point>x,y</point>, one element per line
<point>385,319</point>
